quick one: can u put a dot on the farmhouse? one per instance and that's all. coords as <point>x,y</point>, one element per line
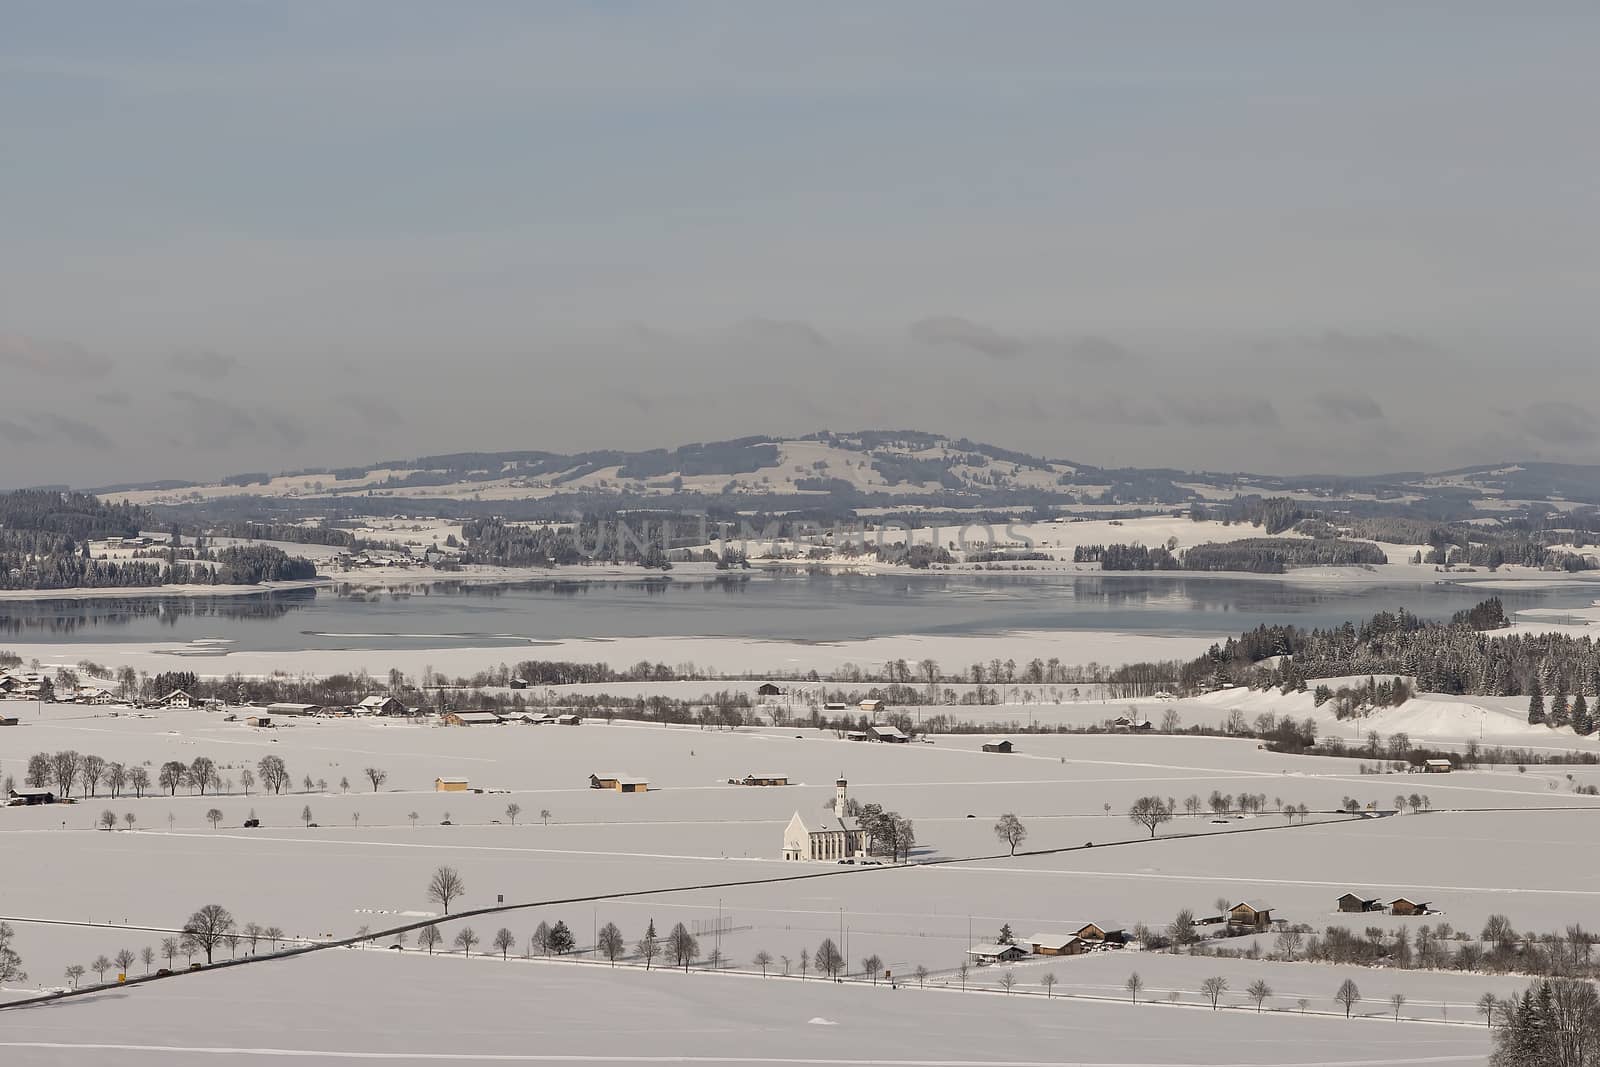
<point>29,797</point>
<point>998,746</point>
<point>294,709</point>
<point>888,734</point>
<point>95,695</point>
<point>1250,913</point>
<point>622,783</point>
<point>470,718</point>
<point>986,954</point>
<point>765,779</point>
<point>1108,935</point>
<point>1437,766</point>
<point>1058,945</point>
<point>834,837</point>
<point>1356,902</point>
<point>1406,906</point>
<point>379,705</point>
<point>178,699</point>
<point>450,785</point>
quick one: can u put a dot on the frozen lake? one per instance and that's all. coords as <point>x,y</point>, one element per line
<point>767,607</point>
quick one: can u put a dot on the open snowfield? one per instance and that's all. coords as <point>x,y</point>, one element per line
<point>347,1005</point>
<point>1497,841</point>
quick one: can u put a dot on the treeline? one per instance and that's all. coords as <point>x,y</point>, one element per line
<point>291,533</point>
<point>1274,555</point>
<point>1127,557</point>
<point>74,516</point>
<point>1448,657</point>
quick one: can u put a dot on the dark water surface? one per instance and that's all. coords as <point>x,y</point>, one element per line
<point>799,607</point>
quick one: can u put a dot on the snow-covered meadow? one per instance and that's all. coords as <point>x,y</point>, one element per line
<point>1497,841</point>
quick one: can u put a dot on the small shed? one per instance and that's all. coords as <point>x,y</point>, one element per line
<point>450,785</point>
<point>998,746</point>
<point>471,718</point>
<point>1250,913</point>
<point>834,705</point>
<point>1354,902</point>
<point>985,954</point>
<point>569,719</point>
<point>8,720</point>
<point>888,734</point>
<point>29,797</point>
<point>767,689</point>
<point>765,779</point>
<point>621,783</point>
<point>1058,945</point>
<point>1437,766</point>
<point>871,705</point>
<point>294,709</point>
<point>1407,906</point>
<point>258,720</point>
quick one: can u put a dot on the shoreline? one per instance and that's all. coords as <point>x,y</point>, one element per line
<point>1505,580</point>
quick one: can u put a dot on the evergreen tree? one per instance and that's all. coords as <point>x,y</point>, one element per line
<point>1560,713</point>
<point>1582,720</point>
<point>1535,704</point>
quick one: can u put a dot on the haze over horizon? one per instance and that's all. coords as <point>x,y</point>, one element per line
<point>1249,236</point>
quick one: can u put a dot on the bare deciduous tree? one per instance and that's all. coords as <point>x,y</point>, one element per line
<point>682,946</point>
<point>465,939</point>
<point>648,946</point>
<point>1008,980</point>
<point>429,937</point>
<point>1048,980</point>
<point>1258,991</point>
<point>1010,831</point>
<point>505,941</point>
<point>1150,812</point>
<point>1348,995</point>
<point>445,886</point>
<point>1212,989</point>
<point>377,776</point>
<point>207,927</point>
<point>1134,985</point>
<point>610,942</point>
<point>763,960</point>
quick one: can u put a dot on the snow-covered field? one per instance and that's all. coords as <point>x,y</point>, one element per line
<point>1497,841</point>
<point>401,1008</point>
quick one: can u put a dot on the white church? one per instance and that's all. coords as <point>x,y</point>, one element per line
<point>835,837</point>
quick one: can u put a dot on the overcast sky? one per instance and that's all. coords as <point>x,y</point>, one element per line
<point>1272,236</point>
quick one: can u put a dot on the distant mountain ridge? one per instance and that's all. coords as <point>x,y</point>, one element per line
<point>854,469</point>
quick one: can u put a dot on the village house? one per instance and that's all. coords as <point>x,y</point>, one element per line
<point>450,785</point>
<point>992,953</point>
<point>835,837</point>
<point>1102,933</point>
<point>178,698</point>
<point>621,783</point>
<point>1057,945</point>
<point>470,718</point>
<point>1354,902</point>
<point>1407,906</point>
<point>96,696</point>
<point>998,746</point>
<point>380,705</point>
